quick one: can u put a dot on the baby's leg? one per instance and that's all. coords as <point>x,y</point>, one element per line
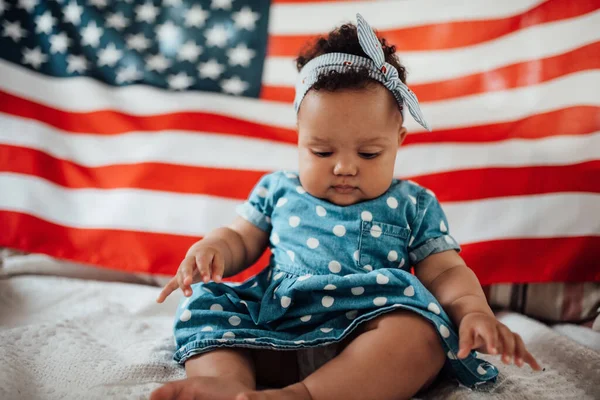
<point>396,355</point>
<point>218,375</point>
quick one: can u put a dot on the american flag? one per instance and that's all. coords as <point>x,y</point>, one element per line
<point>129,129</point>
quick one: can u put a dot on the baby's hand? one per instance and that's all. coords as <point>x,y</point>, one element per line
<point>488,335</point>
<point>203,263</point>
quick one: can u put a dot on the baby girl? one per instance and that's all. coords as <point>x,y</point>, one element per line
<point>337,313</point>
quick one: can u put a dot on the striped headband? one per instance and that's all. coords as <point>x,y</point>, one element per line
<point>378,69</point>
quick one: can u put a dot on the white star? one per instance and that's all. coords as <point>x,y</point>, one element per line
<point>13,30</point>
<point>73,13</point>
<point>146,12</point>
<point>138,42</point>
<point>216,36</point>
<point>100,4</point>
<point>91,34</point>
<point>234,85</point>
<point>180,81</point>
<point>128,74</point>
<point>76,64</point>
<point>28,5</point>
<point>117,21</point>
<point>168,32</point>
<point>222,4</point>
<point>35,57</point>
<point>172,3</point>
<point>157,63</point>
<point>246,18</point>
<point>2,7</point>
<point>240,55</point>
<point>109,55</point>
<point>189,51</point>
<point>196,17</point>
<point>59,43</point>
<point>44,23</point>
<point>211,69</point>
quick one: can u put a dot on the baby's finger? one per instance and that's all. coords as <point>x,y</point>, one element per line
<point>171,286</point>
<point>218,267</point>
<point>489,334</point>
<point>465,343</point>
<point>520,350</point>
<point>203,262</point>
<point>185,275</point>
<point>508,343</point>
<point>529,359</point>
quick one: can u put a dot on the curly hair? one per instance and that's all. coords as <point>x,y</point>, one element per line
<point>345,40</point>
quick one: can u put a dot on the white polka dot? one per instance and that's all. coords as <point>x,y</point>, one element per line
<point>228,335</point>
<point>186,302</point>
<point>278,275</point>
<point>481,370</point>
<point>382,279</point>
<point>434,308</point>
<point>291,176</point>
<point>216,307</point>
<point>412,239</point>
<point>339,230</point>
<point>335,267</point>
<point>326,330</point>
<point>255,284</point>
<point>357,291</point>
<point>306,318</point>
<point>409,291</point>
<point>299,341</point>
<point>368,268</point>
<point>321,211</point>
<point>304,277</point>
<point>443,227</point>
<point>356,255</point>
<point>235,320</point>
<point>244,303</point>
<point>294,221</point>
<point>250,340</point>
<point>207,329</point>
<point>451,355</point>
<point>300,190</point>
<point>366,216</point>
<point>392,202</point>
<point>185,316</point>
<point>291,255</point>
<point>402,262</point>
<point>313,243</point>
<point>327,301</point>
<point>262,192</point>
<point>352,314</point>
<point>412,199</point>
<point>430,192</point>
<point>393,255</point>
<point>281,202</point>
<point>380,301</point>
<point>207,289</point>
<point>448,239</point>
<point>376,231</point>
<point>444,331</point>
<point>285,301</point>
<point>330,287</point>
<point>275,238</point>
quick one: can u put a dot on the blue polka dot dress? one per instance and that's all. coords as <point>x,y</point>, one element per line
<point>332,268</point>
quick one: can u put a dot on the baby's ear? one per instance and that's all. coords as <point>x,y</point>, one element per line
<point>401,135</point>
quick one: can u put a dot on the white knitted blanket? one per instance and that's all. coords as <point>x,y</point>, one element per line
<point>63,338</point>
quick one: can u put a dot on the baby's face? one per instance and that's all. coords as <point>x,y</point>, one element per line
<point>348,142</point>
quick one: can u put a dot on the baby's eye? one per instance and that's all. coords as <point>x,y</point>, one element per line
<point>368,156</point>
<point>322,153</point>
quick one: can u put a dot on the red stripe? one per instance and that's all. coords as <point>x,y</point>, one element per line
<point>237,184</point>
<point>512,76</point>
<point>449,35</point>
<point>519,260</point>
<point>569,121</point>
<point>569,259</point>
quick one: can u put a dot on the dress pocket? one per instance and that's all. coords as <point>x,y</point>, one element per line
<point>382,245</point>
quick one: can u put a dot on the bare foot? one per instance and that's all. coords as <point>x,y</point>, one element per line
<point>294,392</point>
<point>200,388</point>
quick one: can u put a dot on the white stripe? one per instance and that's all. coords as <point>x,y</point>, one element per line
<point>291,19</point>
<point>174,147</point>
<point>580,88</point>
<point>540,216</point>
<point>536,42</point>
<point>184,214</point>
